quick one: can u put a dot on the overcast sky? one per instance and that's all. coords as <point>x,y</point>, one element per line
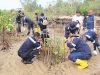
<point>13,4</point>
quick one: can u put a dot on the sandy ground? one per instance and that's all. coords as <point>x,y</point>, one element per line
<point>10,64</point>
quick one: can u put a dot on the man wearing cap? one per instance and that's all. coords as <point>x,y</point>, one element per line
<point>30,48</point>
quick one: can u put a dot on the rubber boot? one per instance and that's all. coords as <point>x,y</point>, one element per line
<point>64,45</point>
<point>83,63</point>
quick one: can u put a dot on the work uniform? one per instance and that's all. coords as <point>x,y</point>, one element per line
<point>84,22</point>
<point>29,22</point>
<point>29,49</point>
<point>71,28</point>
<point>40,22</point>
<point>92,36</point>
<point>82,50</point>
<point>18,21</point>
<point>90,22</point>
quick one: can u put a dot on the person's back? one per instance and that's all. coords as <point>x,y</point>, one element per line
<point>29,44</point>
<point>93,38</point>
<point>90,34</point>
<point>28,20</point>
<point>80,45</point>
<point>41,18</point>
<point>42,21</point>
<point>29,49</point>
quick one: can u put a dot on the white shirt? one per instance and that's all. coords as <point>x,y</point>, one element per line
<point>78,18</point>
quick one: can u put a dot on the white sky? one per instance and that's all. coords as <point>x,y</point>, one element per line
<point>13,4</point>
<point>9,4</point>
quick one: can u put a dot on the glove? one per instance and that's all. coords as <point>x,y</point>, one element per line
<point>95,52</point>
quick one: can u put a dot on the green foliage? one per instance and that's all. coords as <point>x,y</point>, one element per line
<point>5,20</point>
<point>60,8</point>
<point>90,4</point>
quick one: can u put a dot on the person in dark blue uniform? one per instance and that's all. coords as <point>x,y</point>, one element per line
<point>18,21</point>
<point>90,20</point>
<point>41,18</point>
<point>29,49</point>
<point>82,51</point>
<point>29,22</point>
<point>71,28</point>
<point>85,20</point>
<point>92,36</point>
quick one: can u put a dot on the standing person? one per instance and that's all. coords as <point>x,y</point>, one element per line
<point>82,52</point>
<point>41,20</point>
<point>18,21</point>
<point>36,14</point>
<point>90,20</point>
<point>79,18</point>
<point>29,23</point>
<point>30,48</point>
<point>36,28</point>
<point>92,36</point>
<point>84,20</point>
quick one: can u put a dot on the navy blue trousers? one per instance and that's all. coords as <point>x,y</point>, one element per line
<point>42,27</point>
<point>74,55</point>
<point>29,55</point>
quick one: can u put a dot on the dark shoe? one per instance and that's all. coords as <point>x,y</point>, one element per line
<point>27,62</point>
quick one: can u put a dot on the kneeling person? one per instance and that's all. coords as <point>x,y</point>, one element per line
<point>71,28</point>
<point>29,49</point>
<point>92,36</point>
<point>81,54</point>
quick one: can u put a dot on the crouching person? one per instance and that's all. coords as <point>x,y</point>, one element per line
<point>71,27</point>
<point>92,37</point>
<point>29,49</point>
<point>81,54</point>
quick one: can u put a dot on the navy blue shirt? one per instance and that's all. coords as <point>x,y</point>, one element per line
<point>18,19</point>
<point>91,35</point>
<point>41,18</point>
<point>28,21</point>
<point>79,45</point>
<point>29,44</point>
<point>90,21</point>
<point>70,28</point>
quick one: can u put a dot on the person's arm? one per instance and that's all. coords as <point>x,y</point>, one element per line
<point>16,19</point>
<point>90,38</point>
<point>73,43</point>
<point>67,32</point>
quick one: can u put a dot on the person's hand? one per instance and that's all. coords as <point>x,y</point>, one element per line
<point>65,40</point>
